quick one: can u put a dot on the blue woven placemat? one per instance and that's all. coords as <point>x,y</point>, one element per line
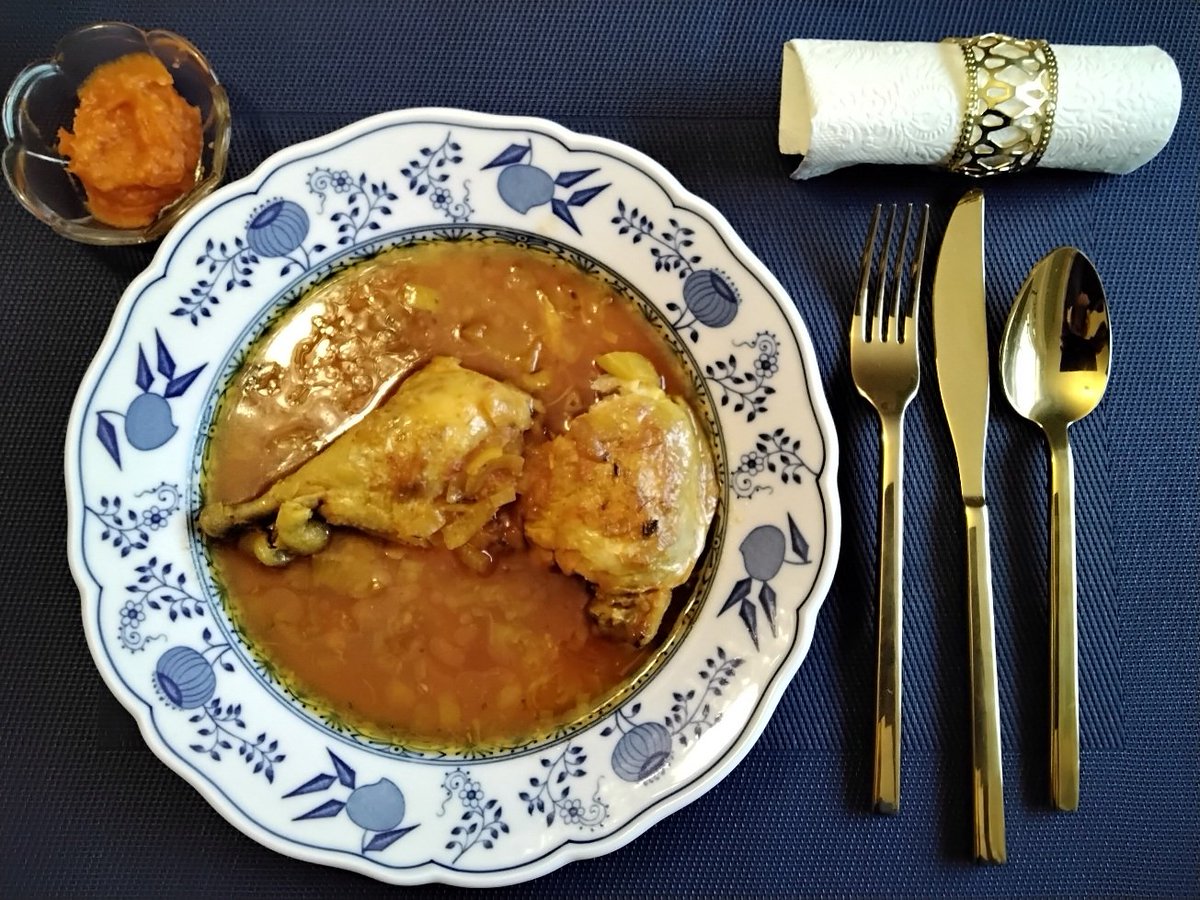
<point>86,809</point>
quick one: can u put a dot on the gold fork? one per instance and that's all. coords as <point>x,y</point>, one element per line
<point>883,361</point>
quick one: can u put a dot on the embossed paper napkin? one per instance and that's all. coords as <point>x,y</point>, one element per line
<point>1103,109</point>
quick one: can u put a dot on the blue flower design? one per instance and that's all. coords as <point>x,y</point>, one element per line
<point>764,552</point>
<point>524,186</point>
<point>642,751</point>
<point>482,821</point>
<point>321,181</point>
<point>747,390</point>
<point>573,813</point>
<point>378,808</point>
<point>365,199</point>
<point>277,228</point>
<point>765,366</point>
<point>470,793</point>
<point>185,678</point>
<point>709,297</point>
<point>148,421</point>
<point>552,797</point>
<point>752,463</point>
<point>775,452</point>
<point>127,529</point>
<point>156,587</point>
<point>132,614</point>
<point>428,175</point>
<point>645,748</point>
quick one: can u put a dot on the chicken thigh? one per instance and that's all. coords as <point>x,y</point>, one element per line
<point>624,497</point>
<point>440,457</point>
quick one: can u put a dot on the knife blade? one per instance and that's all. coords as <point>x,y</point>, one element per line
<point>961,359</point>
<point>960,338</point>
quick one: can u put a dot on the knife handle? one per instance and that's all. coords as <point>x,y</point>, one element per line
<point>985,698</point>
<point>1064,651</point>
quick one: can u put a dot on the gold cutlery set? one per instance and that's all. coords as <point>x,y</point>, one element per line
<point>1054,364</point>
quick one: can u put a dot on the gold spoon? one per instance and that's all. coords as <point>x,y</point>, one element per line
<point>1054,362</point>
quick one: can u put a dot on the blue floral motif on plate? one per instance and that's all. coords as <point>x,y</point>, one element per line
<point>154,615</point>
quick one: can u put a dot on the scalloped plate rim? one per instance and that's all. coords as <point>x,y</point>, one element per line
<point>571,850</point>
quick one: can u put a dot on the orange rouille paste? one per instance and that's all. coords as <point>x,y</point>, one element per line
<point>136,141</point>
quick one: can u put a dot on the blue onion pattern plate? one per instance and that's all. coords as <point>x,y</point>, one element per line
<point>205,702</point>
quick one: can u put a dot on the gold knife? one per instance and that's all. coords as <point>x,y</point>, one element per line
<point>961,354</point>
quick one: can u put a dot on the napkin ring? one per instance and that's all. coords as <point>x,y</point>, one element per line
<point>1012,93</point>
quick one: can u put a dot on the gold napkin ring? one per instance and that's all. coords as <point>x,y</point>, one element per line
<point>1012,93</point>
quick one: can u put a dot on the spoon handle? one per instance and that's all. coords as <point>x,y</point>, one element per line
<point>891,616</point>
<point>1064,665</point>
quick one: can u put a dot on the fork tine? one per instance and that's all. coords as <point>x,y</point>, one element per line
<point>893,320</point>
<point>918,264</point>
<point>880,309</point>
<point>864,278</point>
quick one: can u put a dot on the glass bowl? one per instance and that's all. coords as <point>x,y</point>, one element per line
<point>42,99</point>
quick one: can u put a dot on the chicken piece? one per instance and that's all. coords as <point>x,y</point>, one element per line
<point>438,458</point>
<point>624,497</point>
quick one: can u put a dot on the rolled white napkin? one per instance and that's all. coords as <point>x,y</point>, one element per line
<point>848,102</point>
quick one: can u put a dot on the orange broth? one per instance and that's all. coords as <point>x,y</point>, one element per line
<point>406,643</point>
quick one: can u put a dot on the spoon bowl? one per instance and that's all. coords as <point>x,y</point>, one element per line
<point>1055,355</point>
<point>1054,363</point>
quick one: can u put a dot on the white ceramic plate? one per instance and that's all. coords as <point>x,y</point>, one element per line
<point>207,706</point>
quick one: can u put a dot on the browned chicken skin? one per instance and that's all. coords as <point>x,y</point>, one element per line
<point>624,498</point>
<point>440,457</point>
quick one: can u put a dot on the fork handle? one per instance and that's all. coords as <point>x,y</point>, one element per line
<point>1064,651</point>
<point>891,615</point>
<point>985,699</point>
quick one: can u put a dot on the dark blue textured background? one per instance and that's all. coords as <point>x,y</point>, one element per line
<point>86,809</point>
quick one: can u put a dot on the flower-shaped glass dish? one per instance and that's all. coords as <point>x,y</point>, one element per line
<point>42,99</point>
